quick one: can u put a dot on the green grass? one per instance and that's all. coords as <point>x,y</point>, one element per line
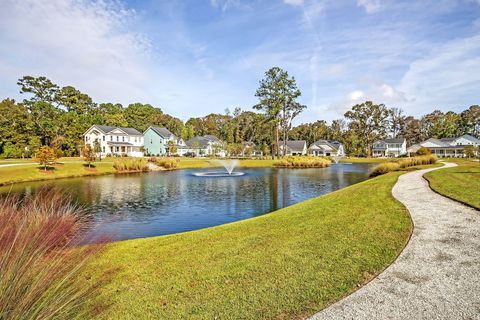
<point>461,183</point>
<point>365,160</point>
<point>33,172</point>
<point>195,163</point>
<point>287,264</point>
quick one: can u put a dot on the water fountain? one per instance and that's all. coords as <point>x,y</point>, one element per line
<point>336,159</point>
<point>229,166</point>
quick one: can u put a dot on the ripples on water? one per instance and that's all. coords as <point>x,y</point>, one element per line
<point>159,203</point>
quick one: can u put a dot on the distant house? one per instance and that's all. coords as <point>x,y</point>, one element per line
<point>447,147</point>
<point>294,148</point>
<point>393,147</point>
<point>157,140</point>
<point>207,145</point>
<point>250,149</point>
<point>326,148</point>
<point>114,140</point>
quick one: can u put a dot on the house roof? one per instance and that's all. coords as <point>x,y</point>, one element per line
<point>164,132</point>
<point>113,143</point>
<point>212,138</point>
<point>332,144</point>
<point>201,142</point>
<point>294,145</point>
<point>470,138</point>
<point>394,140</point>
<point>108,129</point>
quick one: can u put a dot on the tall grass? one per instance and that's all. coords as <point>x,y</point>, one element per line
<point>39,269</point>
<point>386,167</point>
<point>302,162</point>
<point>131,165</point>
<point>167,163</point>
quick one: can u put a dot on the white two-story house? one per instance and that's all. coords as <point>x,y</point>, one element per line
<point>393,147</point>
<point>115,141</point>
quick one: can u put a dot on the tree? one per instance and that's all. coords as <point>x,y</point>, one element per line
<point>424,151</point>
<point>369,121</point>
<point>469,122</point>
<point>396,121</point>
<point>310,132</point>
<point>172,148</point>
<point>89,154</point>
<point>412,130</point>
<point>97,149</point>
<point>469,151</point>
<point>141,116</point>
<point>45,155</point>
<point>41,88</point>
<point>277,96</point>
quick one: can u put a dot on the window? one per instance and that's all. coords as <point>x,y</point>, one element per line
<point>123,139</point>
<point>103,149</point>
<point>135,139</point>
<point>111,138</point>
<point>117,140</point>
<point>103,138</point>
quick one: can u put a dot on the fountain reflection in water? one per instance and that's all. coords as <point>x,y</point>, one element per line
<point>229,166</point>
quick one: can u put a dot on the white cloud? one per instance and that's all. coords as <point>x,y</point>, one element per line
<point>449,77</point>
<point>79,43</point>
<point>371,6</point>
<point>293,2</point>
<point>356,95</point>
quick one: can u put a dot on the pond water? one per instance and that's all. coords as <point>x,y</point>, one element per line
<point>159,203</point>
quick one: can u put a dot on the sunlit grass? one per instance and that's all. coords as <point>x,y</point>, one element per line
<point>460,183</point>
<point>284,265</point>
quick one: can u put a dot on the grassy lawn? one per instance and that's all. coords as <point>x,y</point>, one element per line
<point>460,183</point>
<point>33,172</point>
<point>283,265</point>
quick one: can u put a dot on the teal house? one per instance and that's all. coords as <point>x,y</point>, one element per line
<point>156,141</point>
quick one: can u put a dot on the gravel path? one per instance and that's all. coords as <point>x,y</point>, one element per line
<point>437,276</point>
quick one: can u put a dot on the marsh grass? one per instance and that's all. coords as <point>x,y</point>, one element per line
<point>131,165</point>
<point>40,268</point>
<point>386,167</point>
<point>302,162</point>
<point>166,163</point>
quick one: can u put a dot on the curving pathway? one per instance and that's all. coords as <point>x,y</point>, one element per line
<point>437,276</point>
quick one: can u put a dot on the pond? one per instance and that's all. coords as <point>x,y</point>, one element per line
<point>158,203</point>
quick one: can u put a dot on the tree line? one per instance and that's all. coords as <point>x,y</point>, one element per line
<point>58,116</point>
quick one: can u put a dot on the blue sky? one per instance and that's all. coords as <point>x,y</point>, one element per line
<point>200,56</point>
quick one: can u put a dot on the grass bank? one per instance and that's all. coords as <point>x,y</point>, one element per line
<point>283,265</point>
<point>461,183</point>
<point>68,169</point>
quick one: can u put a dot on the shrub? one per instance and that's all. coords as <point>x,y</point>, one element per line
<point>383,168</point>
<point>302,162</point>
<point>386,167</point>
<point>424,151</point>
<point>40,271</point>
<point>45,155</point>
<point>167,163</point>
<point>124,164</point>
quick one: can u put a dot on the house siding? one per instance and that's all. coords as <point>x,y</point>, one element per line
<point>154,143</point>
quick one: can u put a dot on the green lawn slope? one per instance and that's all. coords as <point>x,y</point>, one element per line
<point>461,183</point>
<point>287,264</point>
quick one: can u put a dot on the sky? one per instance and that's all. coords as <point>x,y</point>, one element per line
<point>195,57</point>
